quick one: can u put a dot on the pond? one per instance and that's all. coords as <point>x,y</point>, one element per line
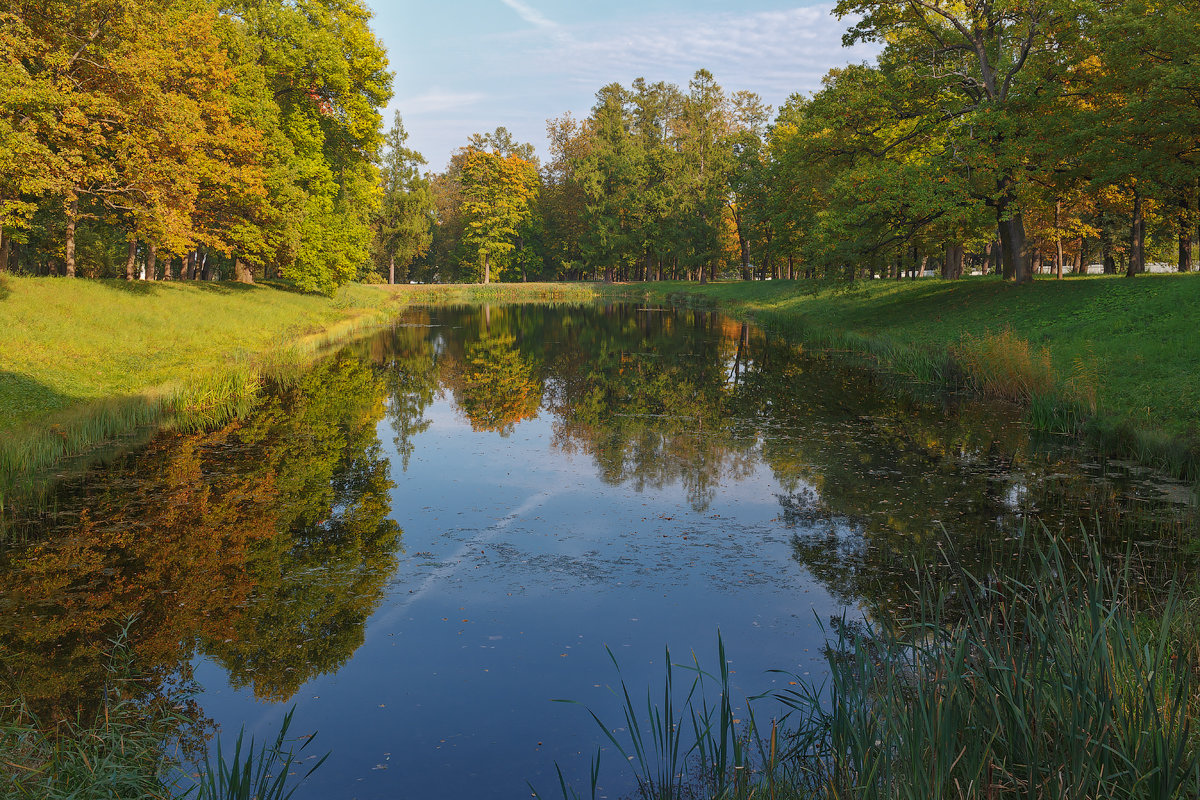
<point>429,537</point>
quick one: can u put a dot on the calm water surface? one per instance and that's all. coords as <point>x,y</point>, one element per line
<point>429,537</point>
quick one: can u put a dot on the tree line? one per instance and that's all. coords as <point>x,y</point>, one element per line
<point>180,139</point>
<point>1003,136</point>
<point>186,139</point>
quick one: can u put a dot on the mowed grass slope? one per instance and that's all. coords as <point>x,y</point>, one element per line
<point>64,343</point>
<point>84,362</point>
<point>1134,342</point>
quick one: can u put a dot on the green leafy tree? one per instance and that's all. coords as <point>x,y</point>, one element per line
<point>405,218</point>
<point>990,64</point>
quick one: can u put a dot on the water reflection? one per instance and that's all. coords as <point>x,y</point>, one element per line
<point>265,544</point>
<point>876,485</point>
<point>614,461</point>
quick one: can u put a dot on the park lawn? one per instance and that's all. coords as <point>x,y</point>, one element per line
<point>1135,340</point>
<point>65,343</point>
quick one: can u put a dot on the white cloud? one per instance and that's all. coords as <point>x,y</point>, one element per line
<point>532,15</point>
<point>523,78</point>
<point>437,100</point>
<point>772,52</point>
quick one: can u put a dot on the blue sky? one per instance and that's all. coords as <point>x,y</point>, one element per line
<point>466,66</point>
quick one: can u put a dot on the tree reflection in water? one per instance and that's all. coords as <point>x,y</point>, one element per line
<point>265,544</point>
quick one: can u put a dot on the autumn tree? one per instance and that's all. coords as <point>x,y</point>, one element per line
<point>499,195</point>
<point>991,62</point>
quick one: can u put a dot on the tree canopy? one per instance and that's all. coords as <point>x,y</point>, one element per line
<point>200,140</point>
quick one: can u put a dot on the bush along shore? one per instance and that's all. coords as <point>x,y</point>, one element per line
<point>85,363</point>
<point>1112,360</point>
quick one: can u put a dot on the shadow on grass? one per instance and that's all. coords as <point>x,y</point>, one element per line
<point>150,288</point>
<point>22,398</point>
<point>223,287</point>
<point>144,288</point>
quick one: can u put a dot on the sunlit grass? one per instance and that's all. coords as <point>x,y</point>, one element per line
<point>465,294</point>
<point>83,362</point>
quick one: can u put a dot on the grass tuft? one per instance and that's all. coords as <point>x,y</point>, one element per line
<point>126,749</point>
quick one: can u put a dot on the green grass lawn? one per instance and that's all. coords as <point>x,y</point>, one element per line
<point>65,343</point>
<point>1134,340</point>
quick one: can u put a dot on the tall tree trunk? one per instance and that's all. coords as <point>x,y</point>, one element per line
<point>151,262</point>
<point>1014,251</point>
<point>188,272</point>
<point>1110,263</point>
<point>241,271</point>
<point>391,270</point>
<point>952,267</point>
<point>168,265</point>
<point>1137,237</point>
<point>1187,230</point>
<point>131,261</point>
<point>72,218</point>
<point>1058,253</point>
<point>487,269</point>
<point>1079,266</point>
<point>3,251</point>
<point>745,250</point>
<point>206,267</point>
<point>791,268</point>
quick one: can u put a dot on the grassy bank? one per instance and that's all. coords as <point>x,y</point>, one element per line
<point>83,362</point>
<point>1118,359</point>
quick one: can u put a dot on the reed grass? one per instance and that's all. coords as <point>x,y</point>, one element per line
<point>127,750</point>
<point>250,774</point>
<point>1005,365</point>
<point>1047,683</point>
